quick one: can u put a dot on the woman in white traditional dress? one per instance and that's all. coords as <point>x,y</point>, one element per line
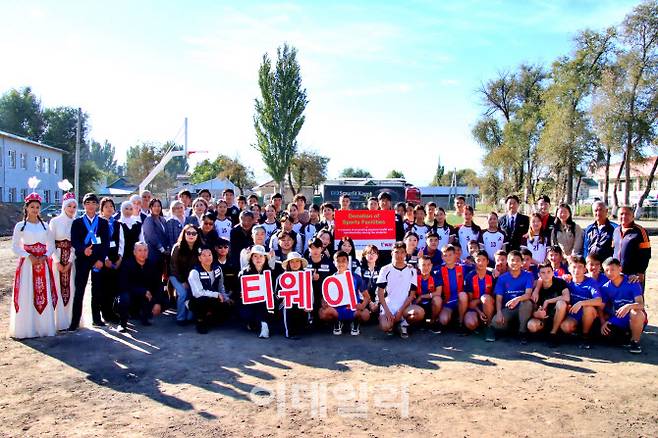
<point>63,260</point>
<point>35,294</point>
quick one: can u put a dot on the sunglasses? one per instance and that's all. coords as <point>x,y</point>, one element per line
<point>190,233</point>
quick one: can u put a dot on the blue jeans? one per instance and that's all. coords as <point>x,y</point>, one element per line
<point>182,295</point>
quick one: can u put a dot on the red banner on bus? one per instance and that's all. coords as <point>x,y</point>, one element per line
<point>366,227</point>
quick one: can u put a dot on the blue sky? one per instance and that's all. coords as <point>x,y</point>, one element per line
<point>390,84</point>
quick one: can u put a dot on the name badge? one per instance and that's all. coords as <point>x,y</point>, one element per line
<point>98,240</point>
<point>113,244</point>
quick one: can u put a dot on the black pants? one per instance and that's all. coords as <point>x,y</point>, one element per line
<point>203,306</point>
<point>294,321</point>
<point>110,285</point>
<point>82,270</point>
<point>135,299</point>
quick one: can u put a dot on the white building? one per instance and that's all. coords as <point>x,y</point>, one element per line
<point>21,158</point>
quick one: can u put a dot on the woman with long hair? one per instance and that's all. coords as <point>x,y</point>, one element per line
<point>35,297</point>
<point>566,233</point>
<point>535,241</point>
<point>63,260</point>
<point>155,234</point>
<point>183,258</point>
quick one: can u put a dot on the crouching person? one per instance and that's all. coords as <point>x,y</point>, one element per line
<point>624,304</point>
<point>344,314</point>
<point>513,292</point>
<point>139,287</point>
<point>396,287</point>
<point>209,300</point>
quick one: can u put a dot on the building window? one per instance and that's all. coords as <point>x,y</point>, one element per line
<point>57,194</point>
<point>12,194</point>
<point>45,165</point>
<point>11,159</point>
<point>37,163</point>
<point>55,167</point>
<point>46,196</point>
<point>23,160</point>
<point>23,194</point>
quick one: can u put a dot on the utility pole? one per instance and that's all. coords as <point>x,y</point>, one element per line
<point>185,144</point>
<point>78,138</point>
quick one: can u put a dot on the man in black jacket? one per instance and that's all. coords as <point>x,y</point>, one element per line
<point>514,224</point>
<point>241,236</point>
<point>139,287</point>
<point>89,237</point>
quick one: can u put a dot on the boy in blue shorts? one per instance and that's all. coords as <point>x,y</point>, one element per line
<point>513,291</point>
<point>344,313</point>
<point>625,304</point>
<point>584,301</point>
<point>454,298</point>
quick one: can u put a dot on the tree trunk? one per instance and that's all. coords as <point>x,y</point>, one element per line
<point>606,186</point>
<point>627,170</point>
<point>282,189</point>
<point>292,186</point>
<point>615,187</point>
<point>569,184</point>
<point>639,208</point>
<point>575,200</point>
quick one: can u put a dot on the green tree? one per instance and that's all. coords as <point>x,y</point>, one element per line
<point>141,158</point>
<point>280,112</point>
<point>21,114</point>
<point>224,167</point>
<point>438,175</point>
<point>395,174</point>
<point>308,169</point>
<point>103,156</point>
<point>567,138</point>
<point>465,177</point>
<point>353,172</point>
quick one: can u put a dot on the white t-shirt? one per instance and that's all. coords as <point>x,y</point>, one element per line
<point>465,235</point>
<point>421,230</point>
<point>538,247</point>
<point>270,229</point>
<point>493,242</point>
<point>223,228</point>
<point>444,235</point>
<point>397,283</point>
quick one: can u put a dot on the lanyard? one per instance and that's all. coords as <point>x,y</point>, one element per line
<point>91,229</point>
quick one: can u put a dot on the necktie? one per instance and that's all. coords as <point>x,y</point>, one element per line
<point>512,224</point>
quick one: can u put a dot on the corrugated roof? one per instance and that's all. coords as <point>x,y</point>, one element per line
<point>27,140</point>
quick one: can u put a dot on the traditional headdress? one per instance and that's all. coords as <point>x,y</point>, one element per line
<point>32,183</point>
<point>69,197</point>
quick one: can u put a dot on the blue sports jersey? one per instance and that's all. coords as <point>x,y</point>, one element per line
<point>617,296</point>
<point>586,290</point>
<point>437,258</point>
<point>455,284</point>
<point>600,281</point>
<point>509,287</point>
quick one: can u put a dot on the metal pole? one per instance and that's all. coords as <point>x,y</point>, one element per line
<point>78,138</point>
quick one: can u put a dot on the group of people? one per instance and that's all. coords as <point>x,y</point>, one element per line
<point>539,274</point>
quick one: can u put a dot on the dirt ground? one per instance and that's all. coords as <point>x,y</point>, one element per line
<point>169,381</point>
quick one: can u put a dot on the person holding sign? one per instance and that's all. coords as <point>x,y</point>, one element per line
<point>257,291</point>
<point>296,294</point>
<point>395,286</point>
<point>341,313</point>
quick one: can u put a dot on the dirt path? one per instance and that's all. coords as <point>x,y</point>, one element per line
<point>170,381</point>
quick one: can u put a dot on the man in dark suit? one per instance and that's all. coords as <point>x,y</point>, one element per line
<point>514,224</point>
<point>89,237</point>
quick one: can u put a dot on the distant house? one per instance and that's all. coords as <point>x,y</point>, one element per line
<point>215,185</point>
<point>118,189</point>
<point>444,196</point>
<point>640,171</point>
<point>21,158</point>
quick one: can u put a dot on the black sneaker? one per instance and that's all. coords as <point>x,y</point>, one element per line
<point>585,344</point>
<point>123,328</point>
<point>523,339</point>
<point>635,347</point>
<point>461,330</point>
<point>553,340</point>
<point>436,328</point>
<point>201,328</point>
<point>355,329</point>
<point>98,323</point>
<point>338,328</point>
<point>489,334</point>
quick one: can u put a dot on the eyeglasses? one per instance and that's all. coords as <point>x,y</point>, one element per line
<point>190,233</point>
<point>208,223</point>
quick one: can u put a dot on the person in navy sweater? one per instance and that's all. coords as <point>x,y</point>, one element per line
<point>89,237</point>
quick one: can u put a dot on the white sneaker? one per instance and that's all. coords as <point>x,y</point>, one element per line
<point>264,331</point>
<point>338,328</point>
<point>356,329</point>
